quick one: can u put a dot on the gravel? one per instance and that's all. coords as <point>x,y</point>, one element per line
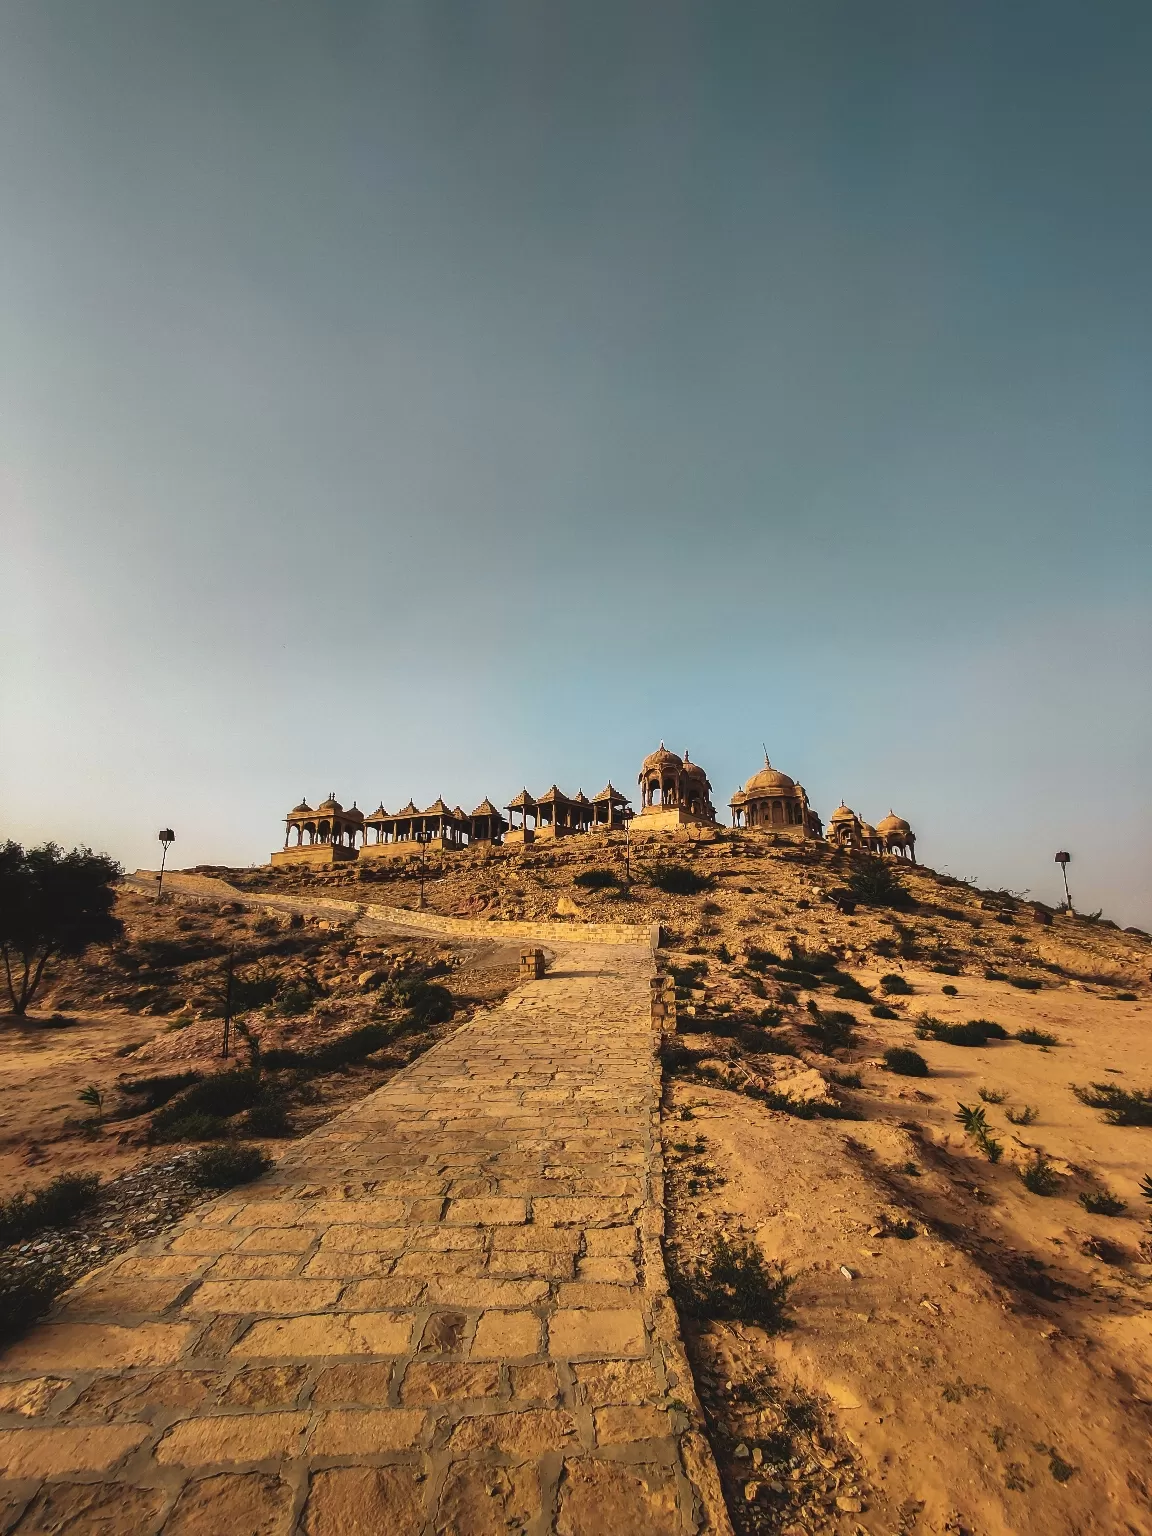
<point>127,1209</point>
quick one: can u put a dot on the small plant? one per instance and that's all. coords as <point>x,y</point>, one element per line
<point>875,883</point>
<point>1032,1036</point>
<point>1026,1116</point>
<point>267,1119</point>
<point>950,991</point>
<point>92,1097</point>
<point>679,880</point>
<point>55,1205</point>
<point>972,1118</point>
<point>846,1079</point>
<point>833,1030</point>
<point>1039,1176</point>
<point>905,1062</point>
<point>894,984</point>
<point>734,1282</point>
<point>1146,1187</point>
<point>882,1011</point>
<point>975,1032</point>
<point>224,1167</point>
<point>1121,1106</point>
<point>212,1099</point>
<point>1102,1203</point>
<point>992,1095</point>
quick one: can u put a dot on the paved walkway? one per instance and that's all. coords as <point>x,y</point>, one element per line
<point>443,1312</point>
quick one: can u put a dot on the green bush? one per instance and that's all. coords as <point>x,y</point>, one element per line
<point>1039,1176</point>
<point>224,1167</point>
<point>55,1205</point>
<point>679,880</point>
<point>975,1032</point>
<point>596,879</point>
<point>1102,1203</point>
<point>833,1030</point>
<point>255,991</point>
<point>429,1003</point>
<point>894,985</point>
<point>734,1282</point>
<point>1036,1037</point>
<point>200,1112</point>
<point>874,882</point>
<point>1121,1106</point>
<point>905,1062</point>
<point>882,1011</point>
<point>267,1119</point>
<point>158,1090</point>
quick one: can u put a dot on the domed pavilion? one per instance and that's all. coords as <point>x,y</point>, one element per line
<point>897,837</point>
<point>674,792</point>
<point>326,835</point>
<point>771,801</point>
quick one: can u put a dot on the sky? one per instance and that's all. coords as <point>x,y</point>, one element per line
<point>438,398</point>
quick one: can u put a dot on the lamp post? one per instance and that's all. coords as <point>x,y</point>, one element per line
<point>1064,859</point>
<point>423,838</point>
<point>228,1000</point>
<point>167,838</point>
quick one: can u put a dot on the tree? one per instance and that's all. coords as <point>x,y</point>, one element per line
<point>52,904</point>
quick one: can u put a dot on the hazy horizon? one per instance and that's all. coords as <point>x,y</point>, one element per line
<point>406,400</point>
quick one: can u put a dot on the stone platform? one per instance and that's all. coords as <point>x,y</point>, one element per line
<point>442,1314</point>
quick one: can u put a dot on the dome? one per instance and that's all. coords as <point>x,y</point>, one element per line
<point>843,813</point>
<point>768,780</point>
<point>331,804</point>
<point>303,809</point>
<point>867,829</point>
<point>355,814</point>
<point>661,761</point>
<point>893,824</point>
<point>693,768</point>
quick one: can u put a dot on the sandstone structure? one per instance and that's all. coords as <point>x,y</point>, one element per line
<point>675,799</point>
<point>770,800</point>
<point>674,793</point>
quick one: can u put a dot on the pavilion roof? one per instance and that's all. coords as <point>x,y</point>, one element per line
<point>581,798</point>
<point>553,796</point>
<point>438,808</point>
<point>408,810</point>
<point>522,802</point>
<point>379,814</point>
<point>485,808</point>
<point>610,793</point>
<point>460,813</point>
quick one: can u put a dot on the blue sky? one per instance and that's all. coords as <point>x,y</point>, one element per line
<point>418,399</point>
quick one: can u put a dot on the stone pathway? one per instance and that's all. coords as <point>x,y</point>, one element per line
<point>444,1312</point>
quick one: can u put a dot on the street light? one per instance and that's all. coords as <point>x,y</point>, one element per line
<point>1064,859</point>
<point>167,837</point>
<point>423,838</point>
